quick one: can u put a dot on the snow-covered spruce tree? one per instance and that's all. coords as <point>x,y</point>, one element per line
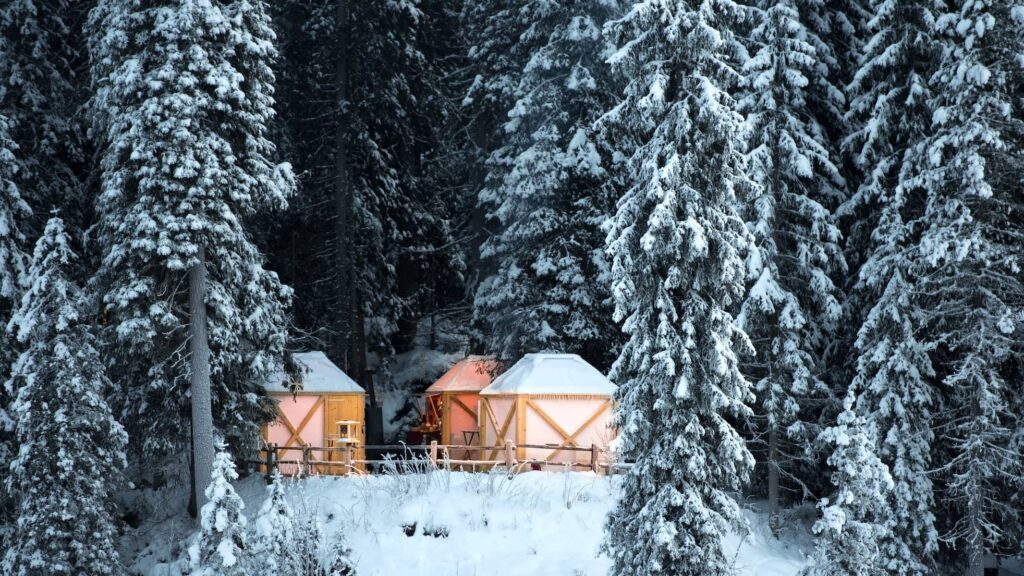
<point>856,517</point>
<point>40,55</point>
<point>71,447</point>
<point>273,541</point>
<point>546,193</point>
<point>14,211</point>
<point>889,113</point>
<point>220,548</point>
<point>791,307</point>
<point>677,245</point>
<point>968,265</point>
<point>183,96</point>
<point>894,372</point>
<point>341,560</point>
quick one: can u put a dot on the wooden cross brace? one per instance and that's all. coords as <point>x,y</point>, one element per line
<point>296,432</point>
<point>567,438</point>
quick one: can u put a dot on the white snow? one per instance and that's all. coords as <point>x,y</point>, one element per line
<point>547,373</point>
<point>321,375</point>
<point>533,524</point>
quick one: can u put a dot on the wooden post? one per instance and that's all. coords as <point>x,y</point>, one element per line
<point>510,450</point>
<point>433,453</point>
<point>273,467</point>
<point>595,459</point>
<point>348,458</point>
<point>305,459</point>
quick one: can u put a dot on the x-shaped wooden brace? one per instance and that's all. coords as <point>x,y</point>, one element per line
<point>568,439</point>
<point>500,438</point>
<point>464,407</point>
<point>296,432</point>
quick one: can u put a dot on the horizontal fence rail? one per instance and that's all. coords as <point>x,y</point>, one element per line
<point>399,458</point>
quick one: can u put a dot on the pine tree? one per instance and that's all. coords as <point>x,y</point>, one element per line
<point>889,115</point>
<point>273,543</point>
<point>894,372</point>
<point>677,245</point>
<point>546,191</point>
<point>967,172</point>
<point>183,99</point>
<point>71,448</point>
<point>14,212</point>
<point>856,517</point>
<point>220,548</point>
<point>792,305</point>
<point>40,55</point>
<point>341,561</point>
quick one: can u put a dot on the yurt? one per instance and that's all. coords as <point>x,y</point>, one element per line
<point>550,400</point>
<point>452,401</point>
<point>327,411</point>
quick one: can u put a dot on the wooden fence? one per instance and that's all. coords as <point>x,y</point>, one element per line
<point>337,461</point>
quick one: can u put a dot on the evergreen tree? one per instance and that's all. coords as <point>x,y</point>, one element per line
<point>40,56</point>
<point>391,193</point>
<point>341,561</point>
<point>273,543</point>
<point>967,172</point>
<point>677,244</point>
<point>183,98</point>
<point>894,373</point>
<point>856,517</point>
<point>792,305</point>
<point>889,114</point>
<point>14,212</point>
<point>71,448</point>
<point>220,548</point>
<point>546,191</point>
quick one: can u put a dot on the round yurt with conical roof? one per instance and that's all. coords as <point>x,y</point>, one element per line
<point>452,401</point>
<point>548,402</point>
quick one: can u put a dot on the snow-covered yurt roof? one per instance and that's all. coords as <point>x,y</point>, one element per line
<point>551,374</point>
<point>471,374</point>
<point>319,375</point>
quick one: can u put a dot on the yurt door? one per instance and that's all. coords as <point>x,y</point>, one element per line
<point>345,425</point>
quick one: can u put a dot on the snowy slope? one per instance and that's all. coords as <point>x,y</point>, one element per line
<point>537,523</point>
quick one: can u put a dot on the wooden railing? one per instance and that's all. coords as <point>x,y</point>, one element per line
<point>342,460</point>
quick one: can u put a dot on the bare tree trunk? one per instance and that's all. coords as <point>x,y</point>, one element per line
<point>202,407</point>
<point>343,196</point>
<point>773,478</point>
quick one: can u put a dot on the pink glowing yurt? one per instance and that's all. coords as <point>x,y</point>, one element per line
<point>452,401</point>
<point>549,400</point>
<point>327,411</point>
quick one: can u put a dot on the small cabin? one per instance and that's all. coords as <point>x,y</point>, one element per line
<point>324,409</point>
<point>451,403</point>
<point>556,404</point>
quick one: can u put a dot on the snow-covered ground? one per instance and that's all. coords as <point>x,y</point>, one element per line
<point>464,524</point>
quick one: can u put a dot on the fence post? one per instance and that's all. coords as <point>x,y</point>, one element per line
<point>433,453</point>
<point>275,467</point>
<point>305,459</point>
<point>510,450</point>
<point>348,458</point>
<point>595,459</point>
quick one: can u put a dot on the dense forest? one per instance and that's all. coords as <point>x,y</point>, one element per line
<point>791,232</point>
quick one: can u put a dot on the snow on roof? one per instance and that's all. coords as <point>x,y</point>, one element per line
<point>470,374</point>
<point>551,374</point>
<point>320,375</point>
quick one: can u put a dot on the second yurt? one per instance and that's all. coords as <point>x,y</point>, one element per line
<point>326,410</point>
<point>549,400</point>
<point>452,401</point>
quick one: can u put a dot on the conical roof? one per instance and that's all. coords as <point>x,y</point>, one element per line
<point>470,374</point>
<point>551,374</point>
<point>319,375</point>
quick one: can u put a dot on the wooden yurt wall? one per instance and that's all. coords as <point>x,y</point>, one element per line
<point>311,419</point>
